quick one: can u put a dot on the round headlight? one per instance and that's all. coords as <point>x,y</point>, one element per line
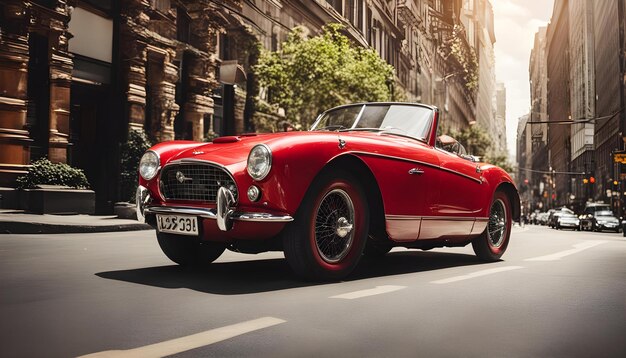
<point>149,165</point>
<point>259,161</point>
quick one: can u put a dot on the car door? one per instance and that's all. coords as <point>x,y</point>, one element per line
<point>408,175</point>
<point>458,205</point>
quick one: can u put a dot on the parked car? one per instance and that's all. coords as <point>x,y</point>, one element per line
<point>567,220</point>
<point>599,221</point>
<point>542,218</point>
<point>555,214</point>
<point>366,177</point>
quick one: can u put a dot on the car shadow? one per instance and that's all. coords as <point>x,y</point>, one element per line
<point>256,276</point>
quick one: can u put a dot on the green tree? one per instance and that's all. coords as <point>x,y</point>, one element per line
<point>477,142</point>
<point>309,75</point>
<point>474,139</point>
<point>130,155</point>
<point>501,160</point>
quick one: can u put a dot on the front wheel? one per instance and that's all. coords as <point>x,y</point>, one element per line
<point>492,243</point>
<point>326,239</point>
<point>189,251</point>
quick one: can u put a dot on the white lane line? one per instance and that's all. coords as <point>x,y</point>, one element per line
<point>577,248</point>
<point>477,274</point>
<point>371,292</point>
<point>193,341</point>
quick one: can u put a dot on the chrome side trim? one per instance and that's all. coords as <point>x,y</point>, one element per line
<point>418,162</point>
<point>212,214</point>
<point>405,228</point>
<point>479,226</point>
<point>436,227</point>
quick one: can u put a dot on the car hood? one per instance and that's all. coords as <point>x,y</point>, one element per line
<point>607,218</point>
<point>234,149</point>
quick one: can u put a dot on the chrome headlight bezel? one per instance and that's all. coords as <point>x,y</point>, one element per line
<point>149,164</point>
<point>259,162</point>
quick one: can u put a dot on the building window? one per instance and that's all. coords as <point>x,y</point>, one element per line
<point>162,6</point>
<point>183,24</point>
<point>370,29</point>
<point>336,4</point>
<point>102,5</point>
<point>351,11</point>
<point>223,47</point>
<point>46,3</point>
<point>359,10</point>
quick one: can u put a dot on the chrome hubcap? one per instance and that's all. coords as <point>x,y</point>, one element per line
<point>333,226</point>
<point>343,227</point>
<point>497,224</point>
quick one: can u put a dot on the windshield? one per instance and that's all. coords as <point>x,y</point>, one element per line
<point>407,120</point>
<point>604,213</point>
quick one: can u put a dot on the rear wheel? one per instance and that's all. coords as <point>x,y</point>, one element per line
<point>326,239</point>
<point>189,251</point>
<point>492,244</point>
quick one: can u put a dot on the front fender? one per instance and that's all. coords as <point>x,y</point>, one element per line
<point>498,179</point>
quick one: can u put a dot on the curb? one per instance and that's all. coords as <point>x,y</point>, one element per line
<point>13,227</point>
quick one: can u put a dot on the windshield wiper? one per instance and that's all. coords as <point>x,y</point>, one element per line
<point>421,139</point>
<point>332,127</point>
<point>363,130</point>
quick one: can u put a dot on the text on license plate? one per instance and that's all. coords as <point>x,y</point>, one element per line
<point>182,225</point>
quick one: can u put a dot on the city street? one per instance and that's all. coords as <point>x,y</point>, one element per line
<point>555,293</point>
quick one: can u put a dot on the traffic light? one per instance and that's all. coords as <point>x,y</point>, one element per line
<point>592,180</point>
<point>585,181</point>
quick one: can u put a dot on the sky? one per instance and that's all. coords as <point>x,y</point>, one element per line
<point>516,22</point>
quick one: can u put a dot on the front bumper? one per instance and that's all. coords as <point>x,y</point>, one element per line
<point>224,213</point>
<point>608,226</point>
<point>568,224</point>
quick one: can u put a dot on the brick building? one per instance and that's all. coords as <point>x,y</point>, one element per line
<point>77,75</point>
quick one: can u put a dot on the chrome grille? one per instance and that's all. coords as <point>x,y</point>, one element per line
<point>196,182</point>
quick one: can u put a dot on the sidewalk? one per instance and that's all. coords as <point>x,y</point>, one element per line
<point>17,222</point>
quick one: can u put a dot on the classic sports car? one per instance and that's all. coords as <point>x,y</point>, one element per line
<point>366,177</point>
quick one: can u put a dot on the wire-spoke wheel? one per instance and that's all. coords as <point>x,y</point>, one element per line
<point>492,243</point>
<point>326,239</point>
<point>334,226</point>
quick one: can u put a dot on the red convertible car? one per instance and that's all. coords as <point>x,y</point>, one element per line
<point>366,177</point>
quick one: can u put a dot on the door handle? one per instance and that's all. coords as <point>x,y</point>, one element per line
<point>416,171</point>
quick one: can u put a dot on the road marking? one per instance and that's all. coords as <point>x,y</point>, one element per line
<point>371,292</point>
<point>477,274</point>
<point>577,248</point>
<point>193,341</point>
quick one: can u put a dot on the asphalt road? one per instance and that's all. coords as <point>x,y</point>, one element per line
<point>554,294</point>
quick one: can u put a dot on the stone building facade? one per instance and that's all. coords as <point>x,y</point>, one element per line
<point>538,68</point>
<point>524,160</point>
<point>610,128</point>
<point>477,18</point>
<point>558,65</point>
<point>77,75</point>
<point>583,92</point>
<point>585,84</point>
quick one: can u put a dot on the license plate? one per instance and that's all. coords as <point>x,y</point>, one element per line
<point>175,224</point>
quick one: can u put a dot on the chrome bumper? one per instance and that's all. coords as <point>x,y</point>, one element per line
<point>224,213</point>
